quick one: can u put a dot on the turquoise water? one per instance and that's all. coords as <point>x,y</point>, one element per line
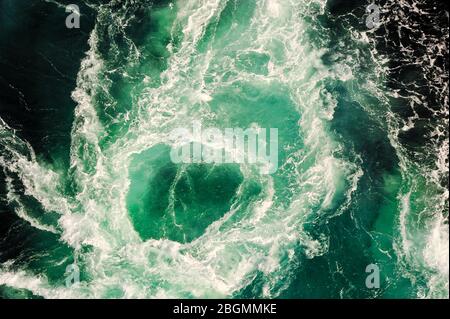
<point>350,189</point>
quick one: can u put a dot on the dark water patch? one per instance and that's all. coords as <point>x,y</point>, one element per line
<point>39,62</point>
<point>38,72</point>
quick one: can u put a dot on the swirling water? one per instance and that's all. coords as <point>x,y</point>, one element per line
<point>363,143</point>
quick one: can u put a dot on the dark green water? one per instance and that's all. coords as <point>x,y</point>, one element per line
<point>87,177</point>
